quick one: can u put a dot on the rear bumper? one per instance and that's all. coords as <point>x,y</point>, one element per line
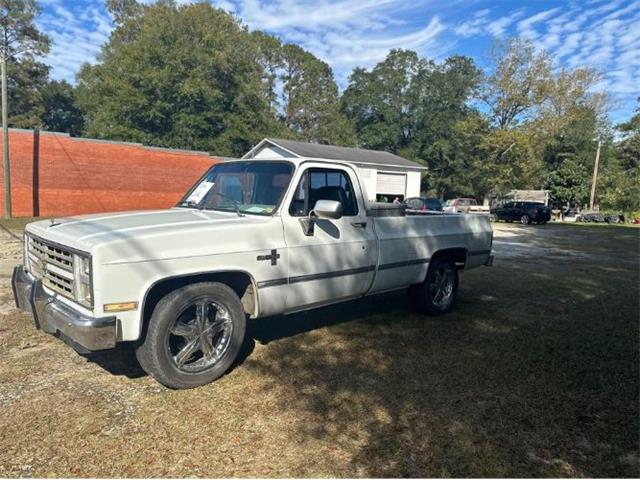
<point>57,318</point>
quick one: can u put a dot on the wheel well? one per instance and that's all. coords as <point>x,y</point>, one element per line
<point>239,282</point>
<point>458,255</point>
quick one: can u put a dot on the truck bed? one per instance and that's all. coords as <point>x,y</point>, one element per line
<point>411,241</point>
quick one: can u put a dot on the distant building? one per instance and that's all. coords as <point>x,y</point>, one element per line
<point>383,174</point>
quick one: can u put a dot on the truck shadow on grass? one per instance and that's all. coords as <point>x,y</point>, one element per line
<point>122,360</point>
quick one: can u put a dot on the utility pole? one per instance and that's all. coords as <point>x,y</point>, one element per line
<point>595,177</point>
<point>5,142</point>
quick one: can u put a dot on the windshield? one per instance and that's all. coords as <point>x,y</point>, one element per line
<point>242,187</point>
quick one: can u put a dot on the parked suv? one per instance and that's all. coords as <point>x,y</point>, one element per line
<point>423,204</point>
<point>523,212</point>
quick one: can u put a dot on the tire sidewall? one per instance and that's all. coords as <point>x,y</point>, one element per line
<point>163,319</point>
<point>420,295</point>
<point>525,219</point>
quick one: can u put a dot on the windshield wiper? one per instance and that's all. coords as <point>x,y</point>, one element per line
<point>237,208</point>
<point>192,204</point>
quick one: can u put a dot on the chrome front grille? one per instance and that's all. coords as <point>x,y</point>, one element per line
<point>53,264</point>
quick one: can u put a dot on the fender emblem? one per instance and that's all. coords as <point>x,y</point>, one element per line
<point>273,257</point>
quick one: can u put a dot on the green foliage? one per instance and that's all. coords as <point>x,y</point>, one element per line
<point>520,81</point>
<point>19,36</point>
<point>629,147</point>
<point>20,42</point>
<point>543,118</point>
<point>568,184</point>
<point>511,161</point>
<point>310,99</point>
<point>620,188</point>
<point>26,80</point>
<point>181,77</point>
<point>418,109</point>
<point>60,113</point>
<point>191,76</point>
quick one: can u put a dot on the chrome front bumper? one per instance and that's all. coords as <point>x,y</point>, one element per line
<point>56,318</point>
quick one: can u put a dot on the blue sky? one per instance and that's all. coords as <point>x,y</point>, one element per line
<point>603,34</point>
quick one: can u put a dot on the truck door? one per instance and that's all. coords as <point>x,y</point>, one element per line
<point>338,260</point>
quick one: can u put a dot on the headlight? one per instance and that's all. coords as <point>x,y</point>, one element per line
<point>82,276</point>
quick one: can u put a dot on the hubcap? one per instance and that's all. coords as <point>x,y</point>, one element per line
<point>200,336</point>
<point>441,288</point>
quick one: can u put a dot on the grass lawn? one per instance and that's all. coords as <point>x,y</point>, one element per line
<point>534,374</point>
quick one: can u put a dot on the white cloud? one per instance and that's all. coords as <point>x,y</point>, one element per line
<point>526,27</point>
<point>347,33</point>
<point>498,28</point>
<point>77,31</point>
<point>604,35</point>
<point>475,25</point>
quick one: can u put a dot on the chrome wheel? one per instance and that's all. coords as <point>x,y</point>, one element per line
<point>442,286</point>
<point>200,336</point>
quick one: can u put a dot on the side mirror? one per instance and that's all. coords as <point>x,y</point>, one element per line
<point>327,209</point>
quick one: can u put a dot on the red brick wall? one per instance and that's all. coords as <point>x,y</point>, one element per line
<point>86,176</point>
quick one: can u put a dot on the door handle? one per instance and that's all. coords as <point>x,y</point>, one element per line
<point>359,224</point>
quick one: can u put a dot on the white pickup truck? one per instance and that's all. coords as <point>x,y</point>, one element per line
<point>252,238</point>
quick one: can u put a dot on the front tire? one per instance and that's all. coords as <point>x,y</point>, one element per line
<point>195,333</point>
<point>525,219</point>
<point>438,293</point>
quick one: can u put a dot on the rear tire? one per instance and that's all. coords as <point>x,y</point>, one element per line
<point>195,333</point>
<point>438,293</point>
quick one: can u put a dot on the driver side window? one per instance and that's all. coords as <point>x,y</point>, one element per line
<point>323,184</point>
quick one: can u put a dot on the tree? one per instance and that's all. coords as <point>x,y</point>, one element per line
<point>177,76</point>
<point>511,161</point>
<point>542,117</point>
<point>269,56</point>
<point>419,109</point>
<point>629,146</point>
<point>19,40</point>
<point>520,81</point>
<point>310,103</point>
<point>569,184</point>
<point>25,81</point>
<point>60,113</point>
<point>620,186</point>
<point>382,103</point>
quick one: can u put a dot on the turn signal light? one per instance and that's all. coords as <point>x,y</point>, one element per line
<point>120,307</point>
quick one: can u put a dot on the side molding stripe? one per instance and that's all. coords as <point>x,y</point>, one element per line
<point>273,283</point>
<point>406,263</point>
<point>339,273</point>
